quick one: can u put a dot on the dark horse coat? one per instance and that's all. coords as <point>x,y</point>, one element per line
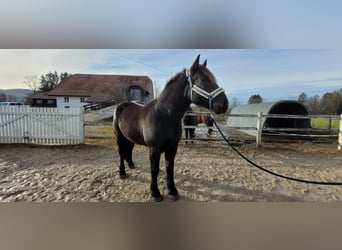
<point>158,124</point>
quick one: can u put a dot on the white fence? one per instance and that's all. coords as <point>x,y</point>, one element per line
<point>257,127</point>
<point>41,125</point>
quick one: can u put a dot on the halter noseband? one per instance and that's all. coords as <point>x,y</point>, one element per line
<point>198,90</point>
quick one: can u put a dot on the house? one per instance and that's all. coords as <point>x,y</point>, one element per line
<point>43,100</point>
<point>102,90</point>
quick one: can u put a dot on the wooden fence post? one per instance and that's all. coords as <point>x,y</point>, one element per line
<point>339,147</point>
<point>259,130</point>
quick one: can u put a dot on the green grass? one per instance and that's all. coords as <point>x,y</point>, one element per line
<point>100,131</point>
<point>323,123</point>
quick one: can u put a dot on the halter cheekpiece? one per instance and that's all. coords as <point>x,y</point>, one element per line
<point>198,90</point>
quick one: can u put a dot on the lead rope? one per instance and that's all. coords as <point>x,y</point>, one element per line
<point>268,171</point>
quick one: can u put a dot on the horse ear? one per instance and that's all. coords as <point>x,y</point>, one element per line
<point>195,64</point>
<point>205,63</point>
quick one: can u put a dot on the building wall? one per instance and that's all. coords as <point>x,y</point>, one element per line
<point>69,102</point>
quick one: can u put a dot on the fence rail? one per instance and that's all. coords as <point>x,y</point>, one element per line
<point>41,125</point>
<point>314,132</point>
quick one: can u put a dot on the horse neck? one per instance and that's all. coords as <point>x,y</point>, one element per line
<point>173,99</point>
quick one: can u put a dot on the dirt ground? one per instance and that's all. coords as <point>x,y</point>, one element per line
<point>204,171</point>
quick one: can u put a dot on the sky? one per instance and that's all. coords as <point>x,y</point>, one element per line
<point>275,74</point>
<point>170,24</point>
<point>275,48</point>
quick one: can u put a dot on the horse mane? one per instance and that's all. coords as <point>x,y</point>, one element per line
<point>172,81</point>
<point>177,77</point>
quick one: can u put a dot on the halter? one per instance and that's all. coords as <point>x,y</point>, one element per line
<point>198,90</point>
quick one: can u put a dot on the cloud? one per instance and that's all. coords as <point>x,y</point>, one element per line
<point>16,64</point>
<point>241,73</point>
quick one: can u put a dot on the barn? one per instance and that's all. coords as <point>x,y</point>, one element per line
<point>78,90</point>
<point>270,108</point>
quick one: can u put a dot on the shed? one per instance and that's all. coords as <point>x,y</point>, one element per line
<point>281,107</point>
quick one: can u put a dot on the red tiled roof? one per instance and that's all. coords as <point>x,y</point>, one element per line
<point>98,87</point>
<point>41,95</point>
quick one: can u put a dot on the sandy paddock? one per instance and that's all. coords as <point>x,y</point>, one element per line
<point>204,171</point>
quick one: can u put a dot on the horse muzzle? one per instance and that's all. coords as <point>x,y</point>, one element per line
<point>219,104</point>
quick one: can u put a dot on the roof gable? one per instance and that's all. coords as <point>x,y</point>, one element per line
<point>99,86</point>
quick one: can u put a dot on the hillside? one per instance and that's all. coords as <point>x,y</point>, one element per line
<point>19,94</point>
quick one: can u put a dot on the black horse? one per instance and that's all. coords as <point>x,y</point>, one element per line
<point>158,124</point>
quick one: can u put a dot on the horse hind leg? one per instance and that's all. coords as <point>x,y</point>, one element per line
<point>125,152</point>
<point>129,152</point>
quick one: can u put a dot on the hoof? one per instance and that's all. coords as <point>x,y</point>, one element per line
<point>174,194</point>
<point>174,197</point>
<point>158,198</point>
<point>123,176</point>
<point>131,165</point>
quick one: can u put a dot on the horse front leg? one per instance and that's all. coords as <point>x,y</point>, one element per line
<point>170,155</point>
<point>155,160</point>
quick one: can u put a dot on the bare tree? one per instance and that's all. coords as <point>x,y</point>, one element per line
<point>32,82</point>
<point>314,105</point>
<point>120,93</point>
<point>235,102</point>
<point>157,89</point>
<point>303,98</point>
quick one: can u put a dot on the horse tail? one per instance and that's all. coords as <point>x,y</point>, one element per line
<point>117,112</point>
<point>116,115</point>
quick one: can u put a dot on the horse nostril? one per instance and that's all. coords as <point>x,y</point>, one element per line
<point>220,108</point>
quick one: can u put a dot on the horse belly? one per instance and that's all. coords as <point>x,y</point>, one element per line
<point>162,137</point>
<point>135,137</point>
<point>129,123</point>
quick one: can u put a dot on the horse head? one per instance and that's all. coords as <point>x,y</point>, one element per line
<point>204,90</point>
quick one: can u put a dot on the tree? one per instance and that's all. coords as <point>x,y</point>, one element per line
<point>120,93</point>
<point>51,80</point>
<point>303,98</point>
<point>64,75</point>
<point>339,109</point>
<point>255,99</point>
<point>157,89</point>
<point>7,98</point>
<point>3,97</point>
<point>331,102</point>
<point>235,102</point>
<point>32,82</point>
<point>314,105</point>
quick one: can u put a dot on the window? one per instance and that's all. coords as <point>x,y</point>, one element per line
<point>67,107</point>
<point>82,99</point>
<point>66,99</point>
<point>39,101</point>
<point>50,102</point>
<point>135,94</point>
